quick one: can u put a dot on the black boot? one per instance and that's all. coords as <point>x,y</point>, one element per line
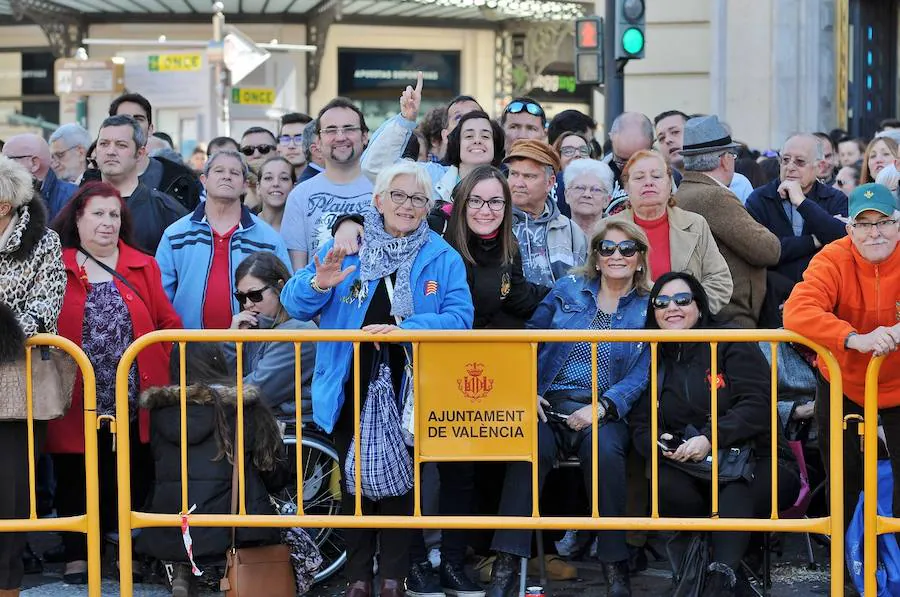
<point>617,582</point>
<point>504,575</point>
<point>720,581</point>
<point>422,581</point>
<point>455,582</point>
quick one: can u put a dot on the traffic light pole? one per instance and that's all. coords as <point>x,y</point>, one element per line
<point>614,84</point>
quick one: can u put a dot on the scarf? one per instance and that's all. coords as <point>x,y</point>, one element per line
<point>382,254</point>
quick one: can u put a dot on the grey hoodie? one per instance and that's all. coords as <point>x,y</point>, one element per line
<point>551,244</point>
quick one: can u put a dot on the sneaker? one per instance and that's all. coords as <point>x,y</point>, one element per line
<point>504,575</point>
<point>454,581</point>
<point>423,582</point>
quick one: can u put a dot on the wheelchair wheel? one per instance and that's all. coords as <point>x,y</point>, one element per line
<point>321,495</point>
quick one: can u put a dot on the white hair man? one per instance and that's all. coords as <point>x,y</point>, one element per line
<point>69,145</point>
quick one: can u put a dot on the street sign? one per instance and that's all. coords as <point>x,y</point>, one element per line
<point>160,63</point>
<point>87,77</point>
<point>264,96</point>
<point>242,56</point>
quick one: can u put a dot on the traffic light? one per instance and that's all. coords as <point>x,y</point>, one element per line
<point>631,20</point>
<point>589,51</point>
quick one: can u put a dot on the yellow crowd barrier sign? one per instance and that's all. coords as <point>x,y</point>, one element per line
<point>488,373</point>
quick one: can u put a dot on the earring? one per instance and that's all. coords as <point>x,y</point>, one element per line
<point>640,268</point>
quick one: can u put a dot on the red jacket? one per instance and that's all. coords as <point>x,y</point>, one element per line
<point>66,435</point>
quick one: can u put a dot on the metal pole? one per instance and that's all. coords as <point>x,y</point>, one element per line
<point>614,87</point>
<point>222,75</point>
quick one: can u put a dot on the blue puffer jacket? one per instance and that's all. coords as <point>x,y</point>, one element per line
<point>449,308</point>
<point>572,305</point>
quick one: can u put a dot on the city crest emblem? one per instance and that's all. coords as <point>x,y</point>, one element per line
<point>475,385</point>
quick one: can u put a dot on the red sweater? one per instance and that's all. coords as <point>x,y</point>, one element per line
<point>658,234</point>
<point>66,435</point>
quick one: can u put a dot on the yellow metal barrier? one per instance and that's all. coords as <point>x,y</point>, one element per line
<point>422,340</point>
<point>874,524</point>
<point>88,523</point>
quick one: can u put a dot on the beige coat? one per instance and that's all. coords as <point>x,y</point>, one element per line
<point>748,246</point>
<point>693,249</point>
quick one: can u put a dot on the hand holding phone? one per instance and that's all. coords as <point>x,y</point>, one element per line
<point>668,442</point>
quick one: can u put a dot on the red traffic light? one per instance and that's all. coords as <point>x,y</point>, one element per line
<point>587,34</point>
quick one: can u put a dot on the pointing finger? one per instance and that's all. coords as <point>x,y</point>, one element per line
<point>419,83</point>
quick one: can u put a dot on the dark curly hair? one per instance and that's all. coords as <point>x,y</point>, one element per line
<point>66,222</point>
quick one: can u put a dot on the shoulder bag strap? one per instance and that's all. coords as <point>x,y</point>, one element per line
<point>389,286</point>
<point>114,273</point>
<point>234,493</point>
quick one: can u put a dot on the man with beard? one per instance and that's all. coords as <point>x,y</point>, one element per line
<point>313,206</point>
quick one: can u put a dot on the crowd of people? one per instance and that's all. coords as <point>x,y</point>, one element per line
<point>452,221</point>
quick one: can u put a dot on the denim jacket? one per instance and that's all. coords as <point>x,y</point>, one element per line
<point>571,305</point>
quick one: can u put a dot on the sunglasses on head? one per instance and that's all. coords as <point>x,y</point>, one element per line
<point>255,296</point>
<point>626,248</point>
<point>249,150</point>
<point>682,299</point>
<point>520,106</point>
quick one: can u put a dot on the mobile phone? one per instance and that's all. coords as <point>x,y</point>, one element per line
<point>670,444</point>
<point>552,414</point>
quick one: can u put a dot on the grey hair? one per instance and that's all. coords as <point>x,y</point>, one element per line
<point>818,151</point>
<point>72,135</point>
<point>704,162</point>
<point>15,183</point>
<point>401,168</point>
<point>890,134</point>
<point>245,169</point>
<point>894,216</point>
<point>309,134</point>
<point>578,168</point>
<point>623,119</point>
<point>140,140</point>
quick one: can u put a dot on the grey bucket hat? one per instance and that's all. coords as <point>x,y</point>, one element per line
<point>706,135</point>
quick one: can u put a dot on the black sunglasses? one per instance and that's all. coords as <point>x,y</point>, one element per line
<point>626,248</point>
<point>682,299</point>
<point>255,296</point>
<point>530,107</point>
<point>248,150</point>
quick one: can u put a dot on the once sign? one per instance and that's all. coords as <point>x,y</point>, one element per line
<point>476,400</point>
<point>175,62</point>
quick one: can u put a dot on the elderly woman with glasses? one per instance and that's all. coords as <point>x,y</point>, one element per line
<point>571,147</point>
<point>588,185</point>
<point>380,290</point>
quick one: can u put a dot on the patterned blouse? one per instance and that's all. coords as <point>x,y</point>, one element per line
<point>107,333</point>
<point>576,372</point>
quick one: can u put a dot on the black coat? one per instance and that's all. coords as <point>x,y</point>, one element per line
<point>151,213</point>
<point>502,297</point>
<point>744,397</point>
<point>209,480</point>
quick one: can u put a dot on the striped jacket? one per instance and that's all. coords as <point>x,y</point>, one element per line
<point>185,258</point>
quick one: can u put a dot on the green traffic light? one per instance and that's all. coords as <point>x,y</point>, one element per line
<point>633,40</point>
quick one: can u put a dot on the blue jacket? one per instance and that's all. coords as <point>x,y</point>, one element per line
<point>571,305</point>
<point>450,308</point>
<point>56,194</point>
<point>818,210</point>
<point>185,256</point>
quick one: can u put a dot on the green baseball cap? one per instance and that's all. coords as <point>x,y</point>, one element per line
<point>872,196</point>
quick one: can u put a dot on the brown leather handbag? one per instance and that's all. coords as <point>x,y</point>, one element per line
<point>256,571</point>
<point>52,377</point>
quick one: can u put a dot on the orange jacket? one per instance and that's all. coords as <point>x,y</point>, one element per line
<point>842,293</point>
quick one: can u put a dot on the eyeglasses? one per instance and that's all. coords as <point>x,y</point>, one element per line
<point>626,248</point>
<point>255,296</point>
<point>58,155</point>
<point>682,299</point>
<point>334,131</point>
<point>477,203</point>
<point>286,139</point>
<point>584,151</point>
<point>842,183</point>
<point>520,106</point>
<point>787,159</point>
<point>399,198</point>
<point>866,227</point>
<point>579,190</point>
<point>249,150</point>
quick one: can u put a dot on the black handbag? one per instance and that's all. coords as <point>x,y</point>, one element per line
<point>690,553</point>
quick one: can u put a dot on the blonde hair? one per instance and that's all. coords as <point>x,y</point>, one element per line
<point>15,183</point>
<point>404,167</point>
<point>641,278</point>
<point>648,153</point>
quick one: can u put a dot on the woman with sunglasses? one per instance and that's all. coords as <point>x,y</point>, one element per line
<point>679,302</point>
<point>474,141</point>
<point>405,277</point>
<point>679,240</point>
<point>114,295</point>
<point>609,292</point>
<point>259,280</point>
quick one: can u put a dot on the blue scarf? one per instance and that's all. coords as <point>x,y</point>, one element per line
<point>382,254</point>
